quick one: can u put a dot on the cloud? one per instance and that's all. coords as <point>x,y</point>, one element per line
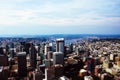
<point>71,12</point>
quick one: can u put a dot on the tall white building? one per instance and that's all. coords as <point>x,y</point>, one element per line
<point>47,48</point>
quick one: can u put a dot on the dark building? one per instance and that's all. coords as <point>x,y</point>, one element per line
<point>26,47</point>
<point>4,73</point>
<point>33,55</point>
<point>12,53</point>
<point>22,65</point>
<point>1,51</point>
<point>4,60</point>
<point>7,49</point>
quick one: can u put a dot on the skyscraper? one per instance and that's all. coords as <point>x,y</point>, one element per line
<point>22,64</point>
<point>12,50</point>
<point>47,49</point>
<point>33,55</point>
<point>60,45</point>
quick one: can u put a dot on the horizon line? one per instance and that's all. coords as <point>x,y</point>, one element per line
<point>33,35</point>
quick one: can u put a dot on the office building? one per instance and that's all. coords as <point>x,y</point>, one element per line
<point>33,56</point>
<point>50,55</point>
<point>12,53</point>
<point>58,58</point>
<point>47,49</point>
<point>60,45</point>
<point>22,64</point>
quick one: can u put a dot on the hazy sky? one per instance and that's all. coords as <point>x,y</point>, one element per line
<point>59,17</point>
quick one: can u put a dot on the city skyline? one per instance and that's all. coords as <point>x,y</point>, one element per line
<point>59,17</point>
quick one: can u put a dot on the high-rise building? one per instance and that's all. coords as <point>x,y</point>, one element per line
<point>33,56</point>
<point>38,49</point>
<point>20,48</point>
<point>12,53</point>
<point>60,45</point>
<point>27,46</point>
<point>22,64</point>
<point>47,49</point>
<point>42,57</point>
<point>50,55</point>
<point>7,49</point>
<point>71,48</point>
<point>58,58</point>
<point>1,51</point>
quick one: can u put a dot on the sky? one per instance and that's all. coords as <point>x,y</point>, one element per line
<point>33,17</point>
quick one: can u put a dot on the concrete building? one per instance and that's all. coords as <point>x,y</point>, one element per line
<point>60,45</point>
<point>58,58</point>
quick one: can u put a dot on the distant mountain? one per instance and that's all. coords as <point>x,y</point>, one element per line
<point>67,36</point>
